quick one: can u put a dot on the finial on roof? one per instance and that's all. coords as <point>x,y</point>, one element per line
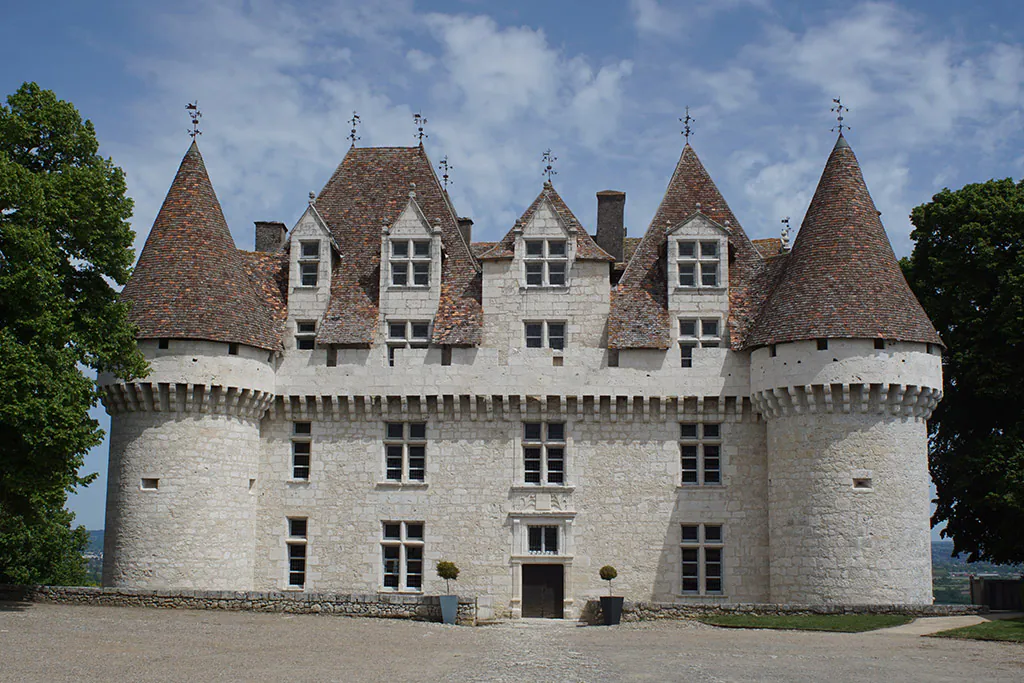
<point>444,166</point>
<point>354,122</point>
<point>785,234</point>
<point>687,131</point>
<point>420,122</point>
<point>194,115</point>
<point>698,207</point>
<point>549,159</point>
<point>412,190</point>
<point>839,109</point>
<point>312,197</point>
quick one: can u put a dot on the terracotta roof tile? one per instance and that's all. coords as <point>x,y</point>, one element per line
<point>841,279</point>
<point>186,284</point>
<point>768,247</point>
<point>639,311</point>
<point>368,190</point>
<point>479,248</point>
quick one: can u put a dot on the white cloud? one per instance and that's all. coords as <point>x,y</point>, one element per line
<point>670,18</point>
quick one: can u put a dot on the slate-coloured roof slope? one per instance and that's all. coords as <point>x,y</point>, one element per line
<point>841,279</point>
<point>369,190</point>
<point>586,247</point>
<point>189,282</point>
<point>639,312</point>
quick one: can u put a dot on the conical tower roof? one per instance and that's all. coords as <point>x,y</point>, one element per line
<point>841,279</point>
<point>191,282</point>
<point>639,312</point>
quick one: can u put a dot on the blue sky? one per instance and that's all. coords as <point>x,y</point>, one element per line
<point>935,91</point>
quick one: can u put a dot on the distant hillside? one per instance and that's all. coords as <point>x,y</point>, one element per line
<point>943,558</point>
<point>95,542</point>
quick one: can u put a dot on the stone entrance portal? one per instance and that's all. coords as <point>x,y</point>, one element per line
<point>543,590</point>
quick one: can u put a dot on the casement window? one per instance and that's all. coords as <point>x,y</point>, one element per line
<point>302,449</point>
<point>701,548</point>
<point>700,453</point>
<point>402,554</point>
<point>694,332</point>
<point>546,263</point>
<point>309,262</point>
<point>296,547</point>
<point>545,334</point>
<point>407,334</point>
<point>697,262</point>
<point>543,540</point>
<point>405,451</point>
<point>410,263</point>
<point>544,452</point>
<point>305,335</point>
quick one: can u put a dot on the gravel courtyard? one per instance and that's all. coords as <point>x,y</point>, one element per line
<point>43,642</point>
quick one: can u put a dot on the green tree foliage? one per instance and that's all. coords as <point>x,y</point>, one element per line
<point>967,269</point>
<point>64,238</point>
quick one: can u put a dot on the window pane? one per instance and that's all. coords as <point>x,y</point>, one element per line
<point>687,249</point>
<point>712,431</point>
<point>531,431</point>
<point>421,274</point>
<point>309,272</point>
<point>556,274</point>
<point>713,533</point>
<point>417,430</point>
<point>688,461</point>
<point>535,248</point>
<point>686,355</point>
<point>556,335</point>
<point>556,248</point>
<point>300,467</point>
<point>709,328</point>
<point>686,275</point>
<point>297,528</point>
<point>307,327</point>
<point>414,531</point>
<point>399,274</point>
<point>400,249</point>
<point>305,344</point>
<point>551,539</point>
<point>556,466</point>
<point>690,533</point>
<point>556,431</point>
<point>392,531</point>
<point>301,448</point>
<point>709,274</point>
<point>395,430</point>
<point>709,344</point>
<point>396,331</point>
<point>534,274</point>
<point>420,330</point>
<point>534,335</point>
<point>709,249</point>
<point>417,462</point>
<point>421,249</point>
<point>310,250</point>
<point>688,430</point>
<point>536,539</point>
<point>531,460</point>
<point>302,428</point>
<point>394,463</point>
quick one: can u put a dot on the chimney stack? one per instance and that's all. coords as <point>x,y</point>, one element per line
<point>611,231</point>
<point>466,228</point>
<point>270,235</point>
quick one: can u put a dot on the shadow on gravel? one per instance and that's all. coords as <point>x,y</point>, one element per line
<point>14,605</point>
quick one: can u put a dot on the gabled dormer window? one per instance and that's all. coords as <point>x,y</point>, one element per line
<point>410,263</point>
<point>697,262</point>
<point>546,262</point>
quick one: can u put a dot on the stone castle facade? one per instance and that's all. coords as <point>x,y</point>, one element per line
<point>723,420</point>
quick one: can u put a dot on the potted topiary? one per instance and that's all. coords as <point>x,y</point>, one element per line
<point>611,606</point>
<point>449,603</point>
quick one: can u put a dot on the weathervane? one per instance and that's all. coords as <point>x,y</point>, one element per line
<point>785,233</point>
<point>193,113</point>
<point>549,159</point>
<point>420,121</point>
<point>686,125</point>
<point>354,122</point>
<point>445,167</point>
<point>839,109</point>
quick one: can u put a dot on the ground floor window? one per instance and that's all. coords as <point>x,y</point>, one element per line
<point>402,555</point>
<point>701,547</point>
<point>543,540</point>
<point>296,546</point>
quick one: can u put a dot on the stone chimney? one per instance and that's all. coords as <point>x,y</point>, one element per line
<point>466,228</point>
<point>611,231</point>
<point>270,235</point>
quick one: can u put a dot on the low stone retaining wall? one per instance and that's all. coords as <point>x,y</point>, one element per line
<point>383,606</point>
<point>643,611</point>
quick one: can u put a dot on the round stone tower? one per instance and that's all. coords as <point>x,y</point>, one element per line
<point>846,369</point>
<point>184,441</point>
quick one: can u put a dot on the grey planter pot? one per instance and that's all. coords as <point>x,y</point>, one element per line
<point>449,608</point>
<point>611,609</point>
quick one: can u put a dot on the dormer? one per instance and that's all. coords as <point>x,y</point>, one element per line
<point>310,254</point>
<point>698,262</point>
<point>411,253</point>
<point>544,249</point>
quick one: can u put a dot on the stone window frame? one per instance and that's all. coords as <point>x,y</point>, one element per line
<point>545,334</point>
<point>695,435</point>
<point>410,338</point>
<point>296,552</point>
<point>699,263</point>
<point>540,264</point>
<point>701,559</point>
<point>309,263</point>
<point>410,435</point>
<point>403,551</point>
<point>301,440</point>
<point>543,443</point>
<point>546,535</point>
<point>305,335</point>
<point>408,263</point>
<point>699,337</point>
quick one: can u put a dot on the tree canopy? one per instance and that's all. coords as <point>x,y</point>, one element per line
<point>64,239</point>
<point>967,269</point>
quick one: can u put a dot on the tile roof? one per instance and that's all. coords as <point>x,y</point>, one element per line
<point>368,190</point>
<point>479,248</point>
<point>186,283</point>
<point>586,247</point>
<point>639,311</point>
<point>268,273</point>
<point>841,279</point>
<point>767,247</point>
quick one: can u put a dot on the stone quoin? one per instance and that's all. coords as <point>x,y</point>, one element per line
<point>723,420</point>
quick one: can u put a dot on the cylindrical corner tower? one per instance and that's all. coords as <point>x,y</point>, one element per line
<point>848,476</point>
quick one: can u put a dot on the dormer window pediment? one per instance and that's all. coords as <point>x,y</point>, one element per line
<point>695,253</point>
<point>411,251</point>
<point>545,248</point>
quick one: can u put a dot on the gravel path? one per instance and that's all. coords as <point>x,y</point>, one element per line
<point>42,642</point>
